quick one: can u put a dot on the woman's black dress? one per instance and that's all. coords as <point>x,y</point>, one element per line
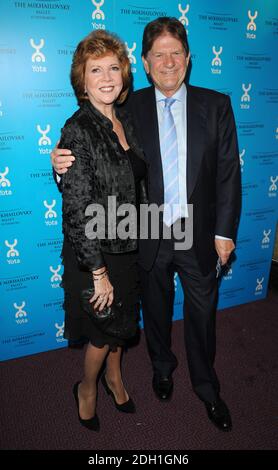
<point>123,276</point>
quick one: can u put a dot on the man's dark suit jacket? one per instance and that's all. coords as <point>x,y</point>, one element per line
<point>213,170</point>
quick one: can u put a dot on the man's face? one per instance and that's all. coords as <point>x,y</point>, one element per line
<point>166,63</point>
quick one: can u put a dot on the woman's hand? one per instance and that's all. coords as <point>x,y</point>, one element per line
<point>103,290</point>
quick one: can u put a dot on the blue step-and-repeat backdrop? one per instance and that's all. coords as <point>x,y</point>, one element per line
<point>234,48</point>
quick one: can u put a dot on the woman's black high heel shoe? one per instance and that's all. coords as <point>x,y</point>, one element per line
<point>127,407</point>
<point>92,423</point>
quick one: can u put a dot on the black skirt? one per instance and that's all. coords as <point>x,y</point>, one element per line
<point>123,275</point>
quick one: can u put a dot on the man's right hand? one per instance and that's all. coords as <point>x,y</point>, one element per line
<point>61,159</point>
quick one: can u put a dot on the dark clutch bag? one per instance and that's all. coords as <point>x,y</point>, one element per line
<point>114,320</point>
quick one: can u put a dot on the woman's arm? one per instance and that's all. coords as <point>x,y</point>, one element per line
<point>78,193</point>
<point>77,187</point>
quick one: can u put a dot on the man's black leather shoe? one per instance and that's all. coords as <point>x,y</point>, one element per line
<point>219,414</point>
<point>163,387</point>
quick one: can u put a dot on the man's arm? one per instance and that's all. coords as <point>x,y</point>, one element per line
<point>228,184</point>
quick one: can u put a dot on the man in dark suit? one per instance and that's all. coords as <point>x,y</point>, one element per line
<point>189,138</point>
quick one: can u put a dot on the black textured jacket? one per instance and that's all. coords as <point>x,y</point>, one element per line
<point>101,169</point>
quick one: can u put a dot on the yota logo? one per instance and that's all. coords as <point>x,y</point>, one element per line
<point>131,56</point>
<point>241,161</point>
<point>5,183</point>
<point>98,14</point>
<point>44,139</point>
<point>183,12</point>
<point>50,213</point>
<point>251,26</point>
<point>60,332</point>
<point>228,275</point>
<point>12,253</point>
<point>245,98</point>
<point>20,316</point>
<point>266,239</point>
<point>55,278</point>
<point>216,61</point>
<point>259,286</point>
<point>38,56</point>
<point>273,186</point>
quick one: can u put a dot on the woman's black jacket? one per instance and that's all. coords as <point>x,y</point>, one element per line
<point>101,169</point>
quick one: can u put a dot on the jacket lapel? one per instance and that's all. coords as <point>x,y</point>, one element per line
<point>150,139</point>
<point>196,125</point>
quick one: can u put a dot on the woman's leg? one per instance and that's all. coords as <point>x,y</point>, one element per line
<point>87,390</point>
<point>114,376</point>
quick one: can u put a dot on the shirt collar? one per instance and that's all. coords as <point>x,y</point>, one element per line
<point>180,94</point>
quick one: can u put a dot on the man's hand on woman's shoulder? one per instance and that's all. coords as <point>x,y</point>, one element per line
<point>61,159</point>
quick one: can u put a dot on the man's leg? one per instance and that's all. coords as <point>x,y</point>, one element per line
<point>157,288</point>
<point>200,301</point>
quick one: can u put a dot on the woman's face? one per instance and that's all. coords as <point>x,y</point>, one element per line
<point>103,80</point>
